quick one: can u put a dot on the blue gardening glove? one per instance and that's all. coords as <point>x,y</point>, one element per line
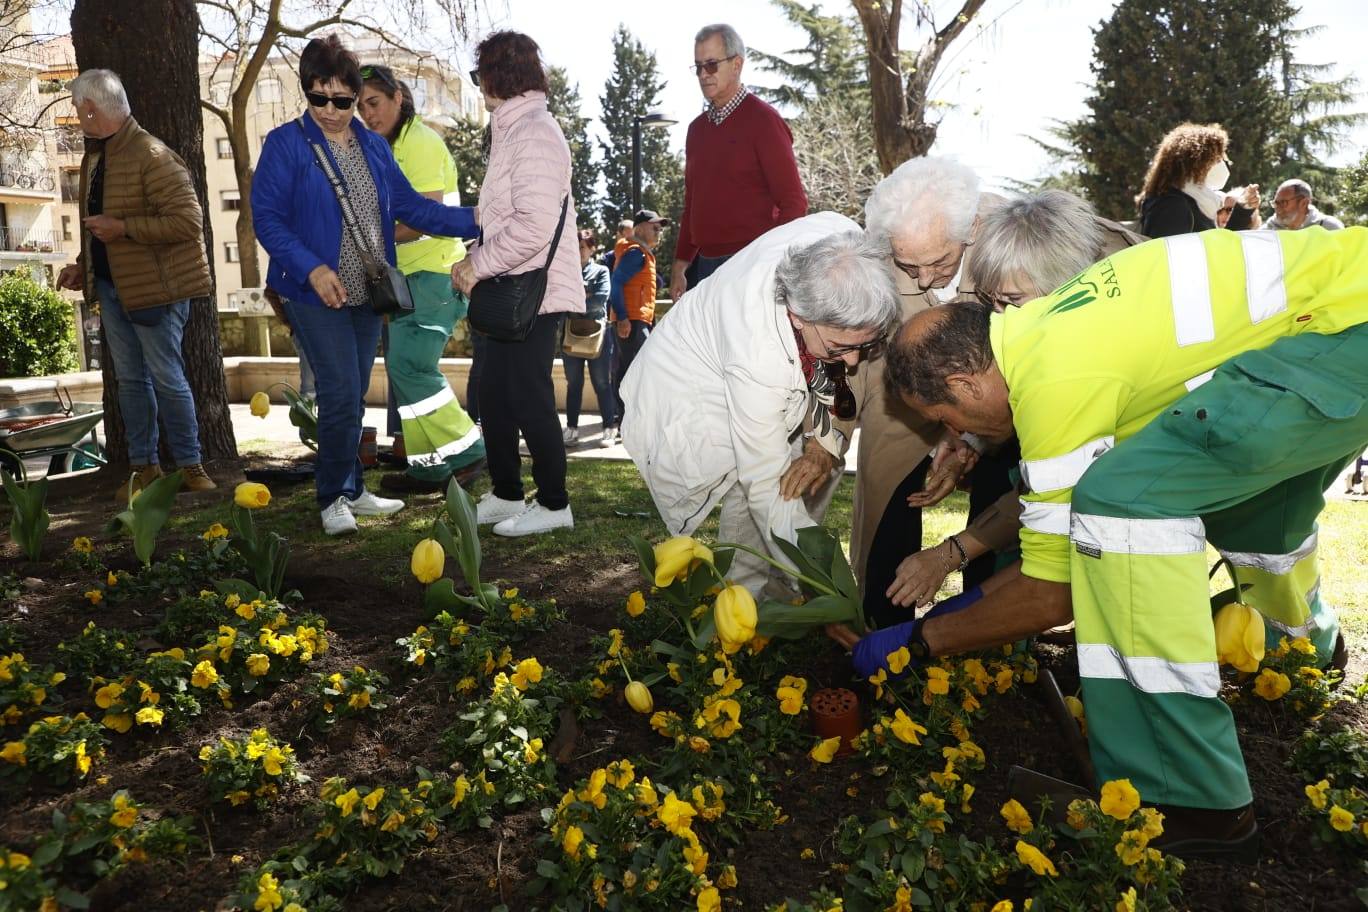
<point>871,653</point>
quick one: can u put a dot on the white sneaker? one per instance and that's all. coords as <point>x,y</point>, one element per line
<point>570,436</point>
<point>338,518</point>
<point>609,438</point>
<point>491,509</point>
<point>534,519</point>
<point>370,505</point>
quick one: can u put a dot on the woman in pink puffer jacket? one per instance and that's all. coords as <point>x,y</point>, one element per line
<point>520,206</point>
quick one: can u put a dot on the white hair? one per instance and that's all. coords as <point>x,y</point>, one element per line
<point>1042,240</point>
<point>731,41</point>
<point>103,89</point>
<point>842,280</point>
<point>1298,187</point>
<point>921,194</point>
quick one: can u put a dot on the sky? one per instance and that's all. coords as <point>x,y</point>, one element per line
<point>1028,67</point>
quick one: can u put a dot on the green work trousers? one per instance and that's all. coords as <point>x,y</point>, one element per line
<point>1241,460</point>
<point>439,436</point>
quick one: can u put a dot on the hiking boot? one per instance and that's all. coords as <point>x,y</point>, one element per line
<point>1209,835</point>
<point>196,479</point>
<point>139,477</point>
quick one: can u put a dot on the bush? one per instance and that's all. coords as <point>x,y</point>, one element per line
<point>37,332</point>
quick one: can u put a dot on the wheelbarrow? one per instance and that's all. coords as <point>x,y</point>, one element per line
<point>64,432</point>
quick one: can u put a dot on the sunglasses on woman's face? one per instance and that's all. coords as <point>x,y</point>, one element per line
<point>340,102</point>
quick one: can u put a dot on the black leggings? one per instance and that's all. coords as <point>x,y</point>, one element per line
<point>516,394</point>
<point>899,534</point>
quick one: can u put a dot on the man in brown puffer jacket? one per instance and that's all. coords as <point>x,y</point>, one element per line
<point>142,259</point>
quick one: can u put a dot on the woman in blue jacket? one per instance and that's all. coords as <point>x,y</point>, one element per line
<point>316,266</point>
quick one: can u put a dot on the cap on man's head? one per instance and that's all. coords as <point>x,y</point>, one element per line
<point>646,215</point>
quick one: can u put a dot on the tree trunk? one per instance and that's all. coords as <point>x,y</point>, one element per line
<point>161,76</point>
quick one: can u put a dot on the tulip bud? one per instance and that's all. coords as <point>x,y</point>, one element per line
<point>1240,637</point>
<point>639,697</point>
<point>676,557</point>
<point>261,404</point>
<point>428,561</point>
<point>735,616</point>
<point>250,495</point>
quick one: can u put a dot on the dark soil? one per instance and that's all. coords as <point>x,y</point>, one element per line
<point>480,869</point>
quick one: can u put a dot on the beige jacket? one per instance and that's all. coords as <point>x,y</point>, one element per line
<point>894,438</point>
<point>161,258</point>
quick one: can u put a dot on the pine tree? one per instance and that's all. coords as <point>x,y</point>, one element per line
<point>468,143</point>
<point>564,103</point>
<point>1158,63</point>
<point>632,90</point>
<point>832,63</point>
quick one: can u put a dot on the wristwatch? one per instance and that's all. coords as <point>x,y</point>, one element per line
<point>916,642</point>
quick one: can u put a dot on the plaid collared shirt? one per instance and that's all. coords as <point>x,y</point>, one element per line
<point>717,115</point>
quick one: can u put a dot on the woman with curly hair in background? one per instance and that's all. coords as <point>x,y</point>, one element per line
<point>1183,188</point>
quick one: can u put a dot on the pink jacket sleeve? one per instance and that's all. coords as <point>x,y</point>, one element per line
<point>541,178</point>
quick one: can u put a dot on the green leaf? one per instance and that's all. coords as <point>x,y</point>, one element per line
<point>913,863</point>
<point>70,898</point>
<point>241,588</point>
<point>790,622</point>
<point>645,557</point>
<point>47,852</point>
<point>30,520</point>
<point>148,513</point>
<point>442,596</point>
<point>881,827</point>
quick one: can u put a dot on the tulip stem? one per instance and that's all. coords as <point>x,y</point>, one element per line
<point>624,668</point>
<point>791,571</point>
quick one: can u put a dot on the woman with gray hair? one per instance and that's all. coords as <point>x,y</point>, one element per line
<point>719,397</point>
<point>1024,249</point>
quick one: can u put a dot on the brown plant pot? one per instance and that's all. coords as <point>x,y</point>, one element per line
<point>836,713</point>
<point>368,452</point>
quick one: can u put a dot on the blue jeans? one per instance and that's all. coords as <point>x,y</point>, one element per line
<point>340,345</point>
<point>600,374</point>
<point>151,374</point>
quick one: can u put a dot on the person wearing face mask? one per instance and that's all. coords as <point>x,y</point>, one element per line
<point>440,439</point>
<point>1184,186</point>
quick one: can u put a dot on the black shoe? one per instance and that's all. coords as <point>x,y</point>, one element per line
<point>466,475</point>
<point>404,483</point>
<point>1209,835</point>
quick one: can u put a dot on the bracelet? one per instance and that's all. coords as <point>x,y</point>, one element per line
<point>964,557</point>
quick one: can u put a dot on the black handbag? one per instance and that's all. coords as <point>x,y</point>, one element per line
<point>386,286</point>
<point>504,307</point>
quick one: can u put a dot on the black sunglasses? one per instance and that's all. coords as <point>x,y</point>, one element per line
<point>380,72</point>
<point>475,77</point>
<point>710,66</point>
<point>340,102</point>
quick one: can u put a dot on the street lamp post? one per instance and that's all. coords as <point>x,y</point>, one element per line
<point>650,120</point>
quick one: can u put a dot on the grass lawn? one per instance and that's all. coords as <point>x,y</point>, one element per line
<point>611,502</point>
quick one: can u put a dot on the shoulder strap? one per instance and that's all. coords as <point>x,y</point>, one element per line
<point>555,238</point>
<point>368,259</point>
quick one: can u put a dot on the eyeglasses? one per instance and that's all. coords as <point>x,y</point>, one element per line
<point>871,349</point>
<point>843,400</point>
<point>340,102</point>
<point>990,300</point>
<point>943,263</point>
<point>475,77</point>
<point>380,72</point>
<point>710,66</point>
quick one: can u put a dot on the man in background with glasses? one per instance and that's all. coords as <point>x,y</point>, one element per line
<point>740,176</point>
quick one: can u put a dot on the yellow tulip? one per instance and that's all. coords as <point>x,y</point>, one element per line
<point>250,495</point>
<point>735,616</point>
<point>1240,637</point>
<point>261,404</point>
<point>675,557</point>
<point>639,697</point>
<point>428,561</point>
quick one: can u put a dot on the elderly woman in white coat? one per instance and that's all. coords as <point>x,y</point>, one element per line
<point>716,401</point>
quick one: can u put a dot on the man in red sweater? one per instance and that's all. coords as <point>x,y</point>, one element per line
<point>740,177</point>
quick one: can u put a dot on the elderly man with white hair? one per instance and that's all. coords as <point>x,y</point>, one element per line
<point>929,214</point>
<point>1292,209</point>
<point>719,397</point>
<point>143,259</point>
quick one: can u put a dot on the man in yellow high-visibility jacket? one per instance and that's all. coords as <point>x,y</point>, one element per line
<point>1202,387</point>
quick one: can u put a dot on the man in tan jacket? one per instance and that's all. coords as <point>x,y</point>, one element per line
<point>142,259</point>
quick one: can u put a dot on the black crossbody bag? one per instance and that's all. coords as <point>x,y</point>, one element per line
<point>504,307</point>
<point>386,286</point>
